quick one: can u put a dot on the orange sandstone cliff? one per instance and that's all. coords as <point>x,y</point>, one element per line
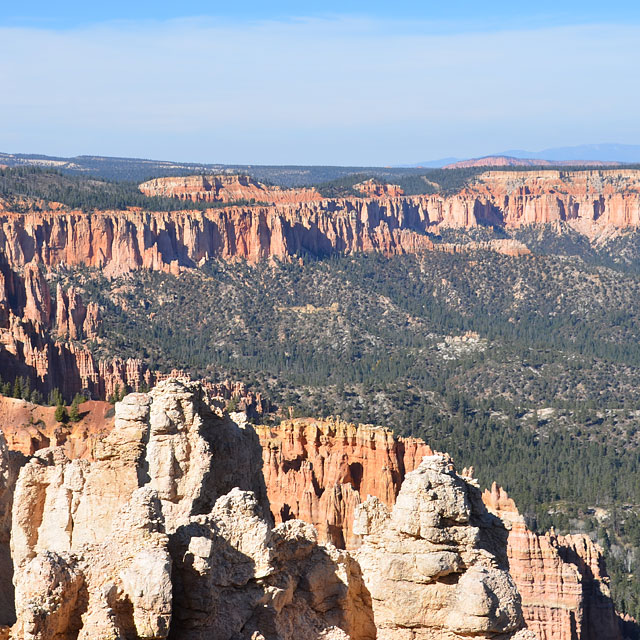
<point>225,188</point>
<point>322,471</point>
<point>164,534</point>
<point>345,479</point>
<point>561,579</point>
<point>318,471</point>
<point>41,339</point>
<point>119,241</point>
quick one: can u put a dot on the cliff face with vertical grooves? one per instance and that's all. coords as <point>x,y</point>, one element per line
<point>165,533</point>
<point>562,580</point>
<point>322,471</point>
<point>317,471</point>
<point>225,188</point>
<point>119,241</point>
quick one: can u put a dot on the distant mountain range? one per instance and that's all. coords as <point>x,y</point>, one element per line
<point>581,154</point>
<point>139,169</point>
<point>511,161</point>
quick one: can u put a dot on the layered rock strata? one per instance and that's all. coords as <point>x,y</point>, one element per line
<point>164,535</point>
<point>561,579</point>
<point>224,188</point>
<point>119,241</point>
<point>322,471</point>
<point>317,471</point>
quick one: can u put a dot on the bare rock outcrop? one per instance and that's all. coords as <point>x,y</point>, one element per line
<point>592,202</point>
<point>237,578</point>
<point>345,479</point>
<point>9,467</point>
<point>435,564</point>
<point>74,319</point>
<point>562,581</point>
<point>224,188</point>
<point>120,587</point>
<point>375,189</point>
<point>318,470</point>
<point>166,533</point>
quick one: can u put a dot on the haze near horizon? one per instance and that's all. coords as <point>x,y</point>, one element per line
<point>361,85</point>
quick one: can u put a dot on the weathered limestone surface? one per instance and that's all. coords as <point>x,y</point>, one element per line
<point>166,533</point>
<point>435,565</point>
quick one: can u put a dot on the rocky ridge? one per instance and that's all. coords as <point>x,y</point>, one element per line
<point>562,579</point>
<point>345,479</point>
<point>593,202</point>
<point>225,188</point>
<point>167,534</point>
<point>44,339</point>
<point>320,471</point>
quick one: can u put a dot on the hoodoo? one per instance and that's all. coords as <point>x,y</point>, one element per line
<point>167,531</point>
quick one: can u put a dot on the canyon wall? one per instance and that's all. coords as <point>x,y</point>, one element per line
<point>409,523</point>
<point>224,188</point>
<point>323,471</point>
<point>166,533</point>
<point>317,471</point>
<point>119,241</point>
<point>561,579</point>
<point>44,338</point>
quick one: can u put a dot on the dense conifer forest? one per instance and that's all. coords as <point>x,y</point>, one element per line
<point>88,194</point>
<point>526,368</point>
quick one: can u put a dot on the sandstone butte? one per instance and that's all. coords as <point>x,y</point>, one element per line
<point>593,202</point>
<point>188,522</point>
<point>225,188</point>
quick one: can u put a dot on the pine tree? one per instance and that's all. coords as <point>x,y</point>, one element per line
<point>26,388</point>
<point>74,411</point>
<point>61,414</point>
<point>55,398</point>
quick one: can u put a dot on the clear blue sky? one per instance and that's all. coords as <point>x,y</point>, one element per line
<point>341,83</point>
<point>461,12</point>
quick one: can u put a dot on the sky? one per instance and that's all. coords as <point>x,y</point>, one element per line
<point>354,83</point>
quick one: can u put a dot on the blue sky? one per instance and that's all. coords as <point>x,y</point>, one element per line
<point>331,83</point>
<point>459,13</point>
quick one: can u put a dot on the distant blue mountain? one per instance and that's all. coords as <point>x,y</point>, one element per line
<point>601,152</point>
<point>431,164</point>
<point>598,152</point>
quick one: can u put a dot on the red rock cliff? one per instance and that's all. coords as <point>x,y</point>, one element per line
<point>561,579</point>
<point>119,241</point>
<point>320,470</point>
<point>224,188</point>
